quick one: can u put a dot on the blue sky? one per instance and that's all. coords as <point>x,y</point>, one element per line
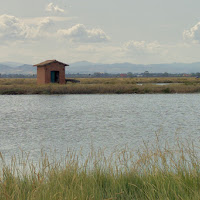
<point>106,31</point>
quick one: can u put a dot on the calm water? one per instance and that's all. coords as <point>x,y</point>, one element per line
<point>60,122</point>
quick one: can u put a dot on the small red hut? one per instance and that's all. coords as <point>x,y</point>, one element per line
<point>51,71</point>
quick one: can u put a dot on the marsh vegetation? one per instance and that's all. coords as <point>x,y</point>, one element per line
<point>158,172</point>
<point>102,86</point>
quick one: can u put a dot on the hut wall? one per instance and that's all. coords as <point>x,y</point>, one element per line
<point>41,75</point>
<point>55,67</point>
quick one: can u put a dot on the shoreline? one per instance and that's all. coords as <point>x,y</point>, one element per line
<point>103,86</point>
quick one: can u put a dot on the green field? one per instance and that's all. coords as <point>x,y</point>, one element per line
<point>150,173</point>
<point>102,86</point>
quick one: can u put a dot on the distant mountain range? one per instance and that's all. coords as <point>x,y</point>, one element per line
<point>21,69</point>
<point>85,67</point>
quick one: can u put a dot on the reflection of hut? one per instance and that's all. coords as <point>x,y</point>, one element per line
<point>51,71</point>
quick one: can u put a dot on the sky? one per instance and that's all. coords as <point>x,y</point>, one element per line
<point>100,31</point>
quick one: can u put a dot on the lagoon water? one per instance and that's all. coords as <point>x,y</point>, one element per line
<point>62,122</point>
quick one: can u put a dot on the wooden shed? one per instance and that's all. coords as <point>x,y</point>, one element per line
<point>51,71</point>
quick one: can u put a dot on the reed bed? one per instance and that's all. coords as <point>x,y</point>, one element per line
<point>149,173</point>
<point>136,80</point>
<point>102,86</point>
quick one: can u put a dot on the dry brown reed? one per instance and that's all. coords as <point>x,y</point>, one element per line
<point>159,172</point>
<point>102,86</point>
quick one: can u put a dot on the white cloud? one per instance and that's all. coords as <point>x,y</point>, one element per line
<point>12,28</point>
<point>45,25</point>
<point>79,33</point>
<point>192,34</point>
<point>15,29</point>
<point>35,20</point>
<point>39,37</point>
<point>143,47</point>
<point>148,52</point>
<point>54,8</point>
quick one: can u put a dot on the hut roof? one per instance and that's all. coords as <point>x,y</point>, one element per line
<point>49,62</point>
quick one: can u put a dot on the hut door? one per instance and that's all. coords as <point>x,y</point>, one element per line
<point>54,76</point>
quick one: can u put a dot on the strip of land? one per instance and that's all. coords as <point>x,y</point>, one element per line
<point>103,86</point>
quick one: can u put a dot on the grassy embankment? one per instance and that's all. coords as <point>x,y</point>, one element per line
<point>148,174</point>
<point>102,86</point>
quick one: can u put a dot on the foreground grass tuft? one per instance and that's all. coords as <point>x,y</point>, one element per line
<point>151,173</point>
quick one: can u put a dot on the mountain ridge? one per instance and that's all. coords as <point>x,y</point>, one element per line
<point>89,68</point>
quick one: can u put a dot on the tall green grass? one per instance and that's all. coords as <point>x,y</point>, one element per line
<point>149,173</point>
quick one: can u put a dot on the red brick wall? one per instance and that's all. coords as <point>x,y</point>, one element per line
<point>44,73</point>
<point>40,75</point>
